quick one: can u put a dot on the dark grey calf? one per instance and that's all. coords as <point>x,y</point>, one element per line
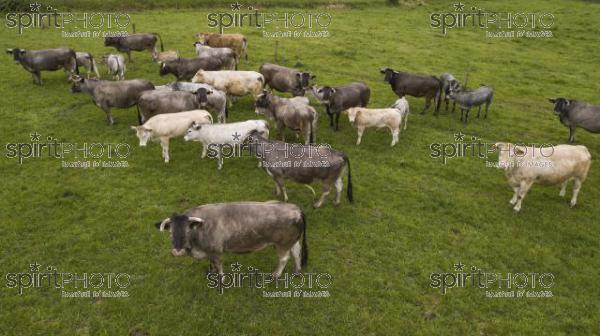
<point>36,61</point>
<point>339,98</point>
<point>156,102</point>
<point>210,230</point>
<point>404,83</point>
<point>134,42</point>
<point>449,82</point>
<point>108,94</point>
<point>467,99</point>
<point>285,79</point>
<point>294,113</point>
<point>573,114</point>
<point>184,69</point>
<point>302,164</point>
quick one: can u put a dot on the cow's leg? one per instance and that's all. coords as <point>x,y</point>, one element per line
<point>219,160</point>
<point>339,184</point>
<point>572,134</point>
<point>360,131</point>
<point>337,120</point>
<point>325,191</point>
<point>283,254</point>
<point>487,109</point>
<point>109,116</point>
<point>479,112</point>
<point>395,133</point>
<point>523,189</point>
<point>37,77</point>
<point>297,255</point>
<point>447,102</point>
<point>329,115</point>
<point>513,200</point>
<point>563,188</point>
<point>280,184</point>
<point>164,143</point>
<point>405,120</point>
<point>129,56</point>
<point>216,264</point>
<point>576,187</point>
<point>453,106</point>
<point>427,104</point>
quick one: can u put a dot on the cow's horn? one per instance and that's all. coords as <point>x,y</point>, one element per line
<point>196,219</point>
<point>162,224</point>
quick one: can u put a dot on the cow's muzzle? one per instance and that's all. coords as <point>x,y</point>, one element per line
<point>178,253</point>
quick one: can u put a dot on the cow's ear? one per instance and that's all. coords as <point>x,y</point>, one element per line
<point>382,70</point>
<point>313,76</point>
<point>333,90</point>
<point>552,100</point>
<point>9,51</point>
<point>134,128</point>
<point>299,75</point>
<point>520,150</point>
<point>195,222</point>
<point>209,92</point>
<point>22,51</point>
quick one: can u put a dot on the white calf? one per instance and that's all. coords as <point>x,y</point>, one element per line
<point>362,118</point>
<point>169,125</point>
<point>116,66</point>
<point>558,164</point>
<point>214,136</point>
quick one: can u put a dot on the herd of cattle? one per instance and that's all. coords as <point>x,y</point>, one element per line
<point>211,81</point>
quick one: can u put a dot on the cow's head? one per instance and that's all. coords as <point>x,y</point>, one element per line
<point>202,96</point>
<point>303,79</point>
<point>16,54</point>
<point>166,68</point>
<point>78,83</point>
<point>508,153</point>
<point>560,104</point>
<point>203,37</point>
<point>388,74</point>
<point>143,133</point>
<point>192,132</point>
<point>199,77</point>
<point>181,227</point>
<point>112,41</point>
<point>353,113</point>
<point>262,100</point>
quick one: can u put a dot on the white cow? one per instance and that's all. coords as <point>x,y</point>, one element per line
<point>526,165</point>
<point>234,83</point>
<point>116,66</point>
<point>214,136</point>
<point>169,125</point>
<point>362,118</point>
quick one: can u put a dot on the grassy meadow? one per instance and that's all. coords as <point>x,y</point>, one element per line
<point>412,215</point>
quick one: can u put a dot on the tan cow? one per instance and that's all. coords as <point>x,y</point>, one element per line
<point>237,42</point>
<point>526,165</point>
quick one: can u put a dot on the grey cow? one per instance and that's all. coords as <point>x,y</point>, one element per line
<point>467,99</point>
<point>134,42</point>
<point>184,69</point>
<point>108,94</point>
<point>404,83</point>
<point>293,113</point>
<point>226,55</point>
<point>574,113</point>
<point>449,82</point>
<point>340,98</point>
<point>86,60</point>
<point>302,164</point>
<point>285,79</point>
<point>156,102</point>
<point>211,98</point>
<point>210,230</point>
<point>36,61</point>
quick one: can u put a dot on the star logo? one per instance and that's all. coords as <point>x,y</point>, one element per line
<point>459,136</point>
<point>236,266</point>
<point>236,6</point>
<point>459,267</point>
<point>35,7</point>
<point>35,136</point>
<point>459,7</point>
<point>35,267</point>
<point>236,136</point>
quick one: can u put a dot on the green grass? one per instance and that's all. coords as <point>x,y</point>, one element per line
<point>412,215</point>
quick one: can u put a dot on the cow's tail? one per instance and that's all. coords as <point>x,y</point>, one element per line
<point>74,67</point>
<point>304,254</point>
<point>438,96</point>
<point>311,138</point>
<point>226,110</point>
<point>245,49</point>
<point>162,47</point>
<point>349,185</point>
<point>93,66</point>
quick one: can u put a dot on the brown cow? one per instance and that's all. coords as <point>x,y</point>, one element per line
<point>237,42</point>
